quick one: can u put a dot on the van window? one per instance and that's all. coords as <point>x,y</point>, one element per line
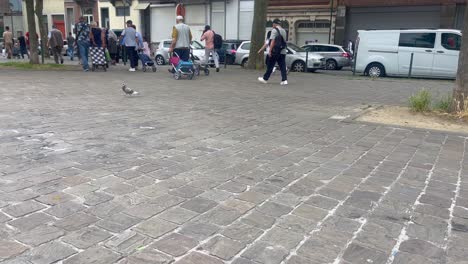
<point>451,41</point>
<point>246,46</point>
<point>417,40</point>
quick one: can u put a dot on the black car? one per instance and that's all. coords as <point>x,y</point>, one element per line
<point>228,51</point>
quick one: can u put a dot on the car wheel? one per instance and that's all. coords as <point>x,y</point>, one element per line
<point>375,70</point>
<point>244,63</point>
<point>298,66</point>
<point>160,60</point>
<point>331,65</point>
<point>339,68</point>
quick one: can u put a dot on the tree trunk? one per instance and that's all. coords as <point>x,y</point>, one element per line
<point>460,92</point>
<point>42,27</point>
<point>33,41</point>
<point>257,61</point>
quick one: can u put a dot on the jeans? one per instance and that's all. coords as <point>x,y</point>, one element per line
<point>71,52</point>
<point>215,57</point>
<point>281,60</point>
<point>132,55</point>
<point>57,52</point>
<point>84,53</point>
<point>23,50</point>
<point>184,53</point>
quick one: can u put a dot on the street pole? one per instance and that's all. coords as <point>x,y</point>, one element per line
<point>331,19</point>
<point>125,21</point>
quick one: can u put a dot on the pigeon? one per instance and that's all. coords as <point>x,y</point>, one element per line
<point>128,91</point>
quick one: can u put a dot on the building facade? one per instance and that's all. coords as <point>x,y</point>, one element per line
<point>11,15</point>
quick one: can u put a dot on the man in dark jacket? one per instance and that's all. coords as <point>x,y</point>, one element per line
<point>56,44</point>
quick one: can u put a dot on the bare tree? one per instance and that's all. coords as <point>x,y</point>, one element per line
<point>42,27</point>
<point>460,92</point>
<point>257,61</point>
<point>33,41</point>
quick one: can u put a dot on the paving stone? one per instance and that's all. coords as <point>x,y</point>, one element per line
<point>297,224</point>
<point>50,253</point>
<point>95,255</point>
<point>363,199</point>
<point>274,209</point>
<point>196,257</point>
<point>319,249</point>
<point>4,218</point>
<point>54,198</point>
<point>148,256</point>
<point>199,231</point>
<point>242,261</point>
<point>282,237</point>
<point>430,209</point>
<point>155,227</point>
<point>423,248</point>
<point>405,258</point>
<point>96,198</point>
<point>23,208</point>
<point>376,236</point>
<point>10,249</point>
<point>258,219</point>
<point>428,228</point>
<point>18,196</point>
<point>65,209</point>
<point>310,212</point>
<point>253,197</point>
<point>144,210</point>
<point>120,189</point>
<point>175,244</point>
<point>435,200</point>
<point>127,242</point>
<point>76,221</point>
<point>220,215</point>
<point>223,248</point>
<point>198,205</point>
<point>177,215</point>
<point>322,202</point>
<point>86,237</point>
<point>358,254</point>
<point>31,221</point>
<point>233,187</point>
<point>242,232</point>
<point>186,192</point>
<point>118,222</point>
<point>39,235</point>
<point>265,253</point>
<point>239,205</point>
<point>216,195</point>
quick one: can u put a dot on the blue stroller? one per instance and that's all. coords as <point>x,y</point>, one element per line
<point>146,61</point>
<point>182,68</point>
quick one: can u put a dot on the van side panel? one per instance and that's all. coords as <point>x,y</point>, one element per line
<point>380,47</point>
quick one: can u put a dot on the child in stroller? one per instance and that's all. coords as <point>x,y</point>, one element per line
<point>181,68</point>
<point>16,51</point>
<point>146,61</point>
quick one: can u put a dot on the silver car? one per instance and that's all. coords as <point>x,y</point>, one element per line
<point>162,53</point>
<point>336,56</point>
<point>295,59</point>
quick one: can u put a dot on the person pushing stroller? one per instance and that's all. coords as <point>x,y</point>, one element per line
<point>181,39</point>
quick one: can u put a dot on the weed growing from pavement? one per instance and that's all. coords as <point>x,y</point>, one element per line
<point>421,101</point>
<point>29,66</point>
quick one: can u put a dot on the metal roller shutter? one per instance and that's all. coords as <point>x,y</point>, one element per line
<point>246,14</point>
<point>163,19</point>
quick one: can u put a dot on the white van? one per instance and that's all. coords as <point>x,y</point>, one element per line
<point>388,52</point>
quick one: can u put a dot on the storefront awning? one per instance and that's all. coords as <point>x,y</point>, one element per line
<point>141,6</point>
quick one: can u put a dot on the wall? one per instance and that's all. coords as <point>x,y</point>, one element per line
<point>232,19</point>
<point>117,22</point>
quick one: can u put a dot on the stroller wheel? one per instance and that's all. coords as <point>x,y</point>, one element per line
<point>93,68</point>
<point>144,68</point>
<point>105,68</point>
<point>176,75</point>
<point>154,69</point>
<point>191,75</point>
<point>207,72</point>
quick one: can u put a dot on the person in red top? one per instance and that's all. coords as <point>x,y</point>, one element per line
<point>208,37</point>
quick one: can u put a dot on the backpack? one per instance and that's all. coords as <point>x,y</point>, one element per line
<point>217,41</point>
<point>280,44</point>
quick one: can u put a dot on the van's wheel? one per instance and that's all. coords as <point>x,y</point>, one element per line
<point>298,66</point>
<point>244,63</point>
<point>375,70</point>
<point>160,60</point>
<point>331,65</point>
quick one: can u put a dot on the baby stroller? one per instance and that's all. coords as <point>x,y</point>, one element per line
<point>98,58</point>
<point>16,51</point>
<point>182,68</point>
<point>146,61</point>
<point>199,67</point>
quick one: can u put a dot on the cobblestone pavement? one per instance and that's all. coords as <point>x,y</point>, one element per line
<point>223,170</point>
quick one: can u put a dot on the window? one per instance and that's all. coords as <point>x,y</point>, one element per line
<point>246,46</point>
<point>333,49</point>
<point>451,41</point>
<point>197,45</point>
<point>167,44</point>
<point>417,40</point>
<point>122,11</point>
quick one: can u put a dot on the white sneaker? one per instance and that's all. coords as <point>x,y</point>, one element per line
<point>131,69</point>
<point>284,83</point>
<point>274,69</point>
<point>260,79</point>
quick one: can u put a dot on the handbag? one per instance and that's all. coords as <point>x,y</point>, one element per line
<point>108,57</point>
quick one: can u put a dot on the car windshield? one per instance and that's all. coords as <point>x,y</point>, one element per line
<point>295,47</point>
<point>197,45</point>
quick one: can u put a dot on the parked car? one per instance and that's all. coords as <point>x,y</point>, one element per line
<point>228,51</point>
<point>388,52</point>
<point>336,57</point>
<point>162,53</point>
<point>295,59</point>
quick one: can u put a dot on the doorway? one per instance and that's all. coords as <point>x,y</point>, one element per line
<point>105,17</point>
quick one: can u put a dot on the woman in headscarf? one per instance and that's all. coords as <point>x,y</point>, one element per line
<point>112,46</point>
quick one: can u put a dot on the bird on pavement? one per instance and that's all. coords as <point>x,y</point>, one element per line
<point>127,90</point>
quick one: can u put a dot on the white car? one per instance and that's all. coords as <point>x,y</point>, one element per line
<point>295,59</point>
<point>162,52</point>
<point>388,52</point>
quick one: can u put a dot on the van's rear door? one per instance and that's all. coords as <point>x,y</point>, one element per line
<point>422,46</point>
<point>446,55</point>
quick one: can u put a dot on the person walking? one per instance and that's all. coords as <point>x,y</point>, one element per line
<point>71,46</point>
<point>208,36</point>
<point>22,44</point>
<point>112,41</point>
<point>130,41</point>
<point>181,39</point>
<point>56,43</point>
<point>8,40</point>
<point>82,39</point>
<point>277,53</point>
